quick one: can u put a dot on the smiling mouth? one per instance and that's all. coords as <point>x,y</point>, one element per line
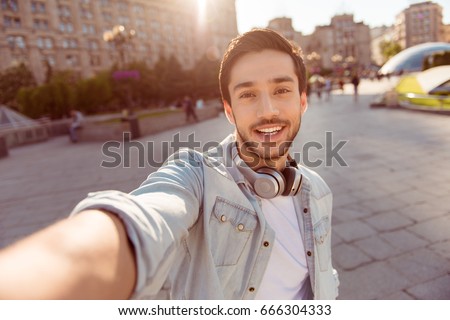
<point>269,131</point>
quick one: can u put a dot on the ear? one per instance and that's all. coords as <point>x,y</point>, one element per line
<point>228,112</point>
<point>303,102</point>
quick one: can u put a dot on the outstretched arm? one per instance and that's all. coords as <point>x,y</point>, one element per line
<point>86,257</point>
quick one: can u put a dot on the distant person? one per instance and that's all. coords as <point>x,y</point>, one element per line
<point>189,109</point>
<point>341,85</point>
<point>318,88</point>
<point>75,125</point>
<point>355,82</point>
<point>200,104</point>
<point>328,87</point>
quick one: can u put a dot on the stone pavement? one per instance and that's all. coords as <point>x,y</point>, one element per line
<point>391,218</point>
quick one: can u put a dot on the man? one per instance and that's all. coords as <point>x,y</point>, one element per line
<point>238,222</point>
<point>77,120</point>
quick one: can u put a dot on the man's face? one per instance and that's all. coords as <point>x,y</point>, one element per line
<point>266,105</point>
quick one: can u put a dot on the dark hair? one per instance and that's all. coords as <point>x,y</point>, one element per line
<point>258,40</point>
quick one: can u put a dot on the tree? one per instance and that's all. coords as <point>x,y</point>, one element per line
<point>389,49</point>
<point>206,76</point>
<point>12,80</point>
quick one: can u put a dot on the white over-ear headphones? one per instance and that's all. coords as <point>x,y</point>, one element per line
<point>269,183</point>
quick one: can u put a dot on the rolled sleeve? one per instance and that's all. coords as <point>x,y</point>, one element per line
<point>157,217</point>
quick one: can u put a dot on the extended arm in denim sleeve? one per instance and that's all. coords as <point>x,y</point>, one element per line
<point>157,215</point>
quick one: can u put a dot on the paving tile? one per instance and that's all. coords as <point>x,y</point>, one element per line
<point>403,240</point>
<point>436,289</point>
<point>353,230</point>
<point>373,281</point>
<point>383,204</point>
<point>420,265</point>
<point>400,295</point>
<point>348,257</point>
<point>351,212</point>
<point>423,211</point>
<point>434,230</point>
<point>412,197</point>
<point>377,248</point>
<point>442,249</point>
<point>389,221</point>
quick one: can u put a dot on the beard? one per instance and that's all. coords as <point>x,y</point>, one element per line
<point>268,152</point>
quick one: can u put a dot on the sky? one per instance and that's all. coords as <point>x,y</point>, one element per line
<point>308,14</point>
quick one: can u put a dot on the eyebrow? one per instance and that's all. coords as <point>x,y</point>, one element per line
<point>248,84</point>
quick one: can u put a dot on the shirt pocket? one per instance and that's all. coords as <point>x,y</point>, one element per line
<point>322,229</point>
<point>231,226</point>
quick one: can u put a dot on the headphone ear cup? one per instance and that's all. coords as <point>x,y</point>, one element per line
<point>269,183</point>
<point>293,179</point>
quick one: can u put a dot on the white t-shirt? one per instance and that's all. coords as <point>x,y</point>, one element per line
<point>287,270</point>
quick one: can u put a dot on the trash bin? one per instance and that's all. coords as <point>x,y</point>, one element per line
<point>134,127</point>
<point>3,147</point>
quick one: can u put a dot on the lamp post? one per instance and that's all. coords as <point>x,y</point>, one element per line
<point>119,36</point>
<point>314,61</point>
<point>337,60</point>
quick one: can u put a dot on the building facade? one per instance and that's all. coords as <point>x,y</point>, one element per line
<point>343,43</point>
<point>420,23</point>
<point>68,34</point>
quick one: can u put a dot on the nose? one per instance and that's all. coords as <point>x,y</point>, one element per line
<point>267,108</point>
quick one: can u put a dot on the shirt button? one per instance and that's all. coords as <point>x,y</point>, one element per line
<point>266,243</point>
<point>309,253</point>
<point>223,218</point>
<point>251,289</point>
<point>240,227</point>
<point>305,210</point>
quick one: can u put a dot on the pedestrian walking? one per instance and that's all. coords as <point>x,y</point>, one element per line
<point>75,125</point>
<point>355,82</point>
<point>189,110</point>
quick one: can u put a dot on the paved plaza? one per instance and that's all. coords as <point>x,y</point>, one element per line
<point>391,212</point>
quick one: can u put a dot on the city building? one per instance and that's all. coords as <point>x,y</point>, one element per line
<point>420,23</point>
<point>69,34</point>
<point>342,44</point>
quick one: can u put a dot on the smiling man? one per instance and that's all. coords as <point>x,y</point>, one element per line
<point>242,221</point>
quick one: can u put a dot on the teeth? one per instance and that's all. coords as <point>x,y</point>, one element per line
<point>270,130</point>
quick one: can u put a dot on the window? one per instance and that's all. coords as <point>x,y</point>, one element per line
<point>11,22</point>
<point>85,13</point>
<point>38,7</point>
<point>12,5</point>
<point>124,20</point>
<point>44,42</point>
<point>48,43</point>
<point>123,6</point>
<point>94,60</point>
<point>64,11</point>
<point>50,59</point>
<point>16,42</point>
<point>41,24</point>
<point>71,60</point>
<point>88,29</point>
<point>92,45</point>
<point>106,16</point>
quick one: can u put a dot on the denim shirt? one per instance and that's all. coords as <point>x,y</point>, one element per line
<point>198,230</point>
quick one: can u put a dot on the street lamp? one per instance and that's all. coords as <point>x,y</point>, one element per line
<point>337,60</point>
<point>119,36</point>
<point>314,60</point>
